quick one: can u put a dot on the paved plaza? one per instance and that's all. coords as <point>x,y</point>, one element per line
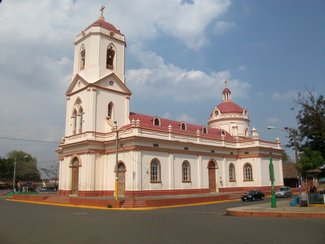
<point>37,223</point>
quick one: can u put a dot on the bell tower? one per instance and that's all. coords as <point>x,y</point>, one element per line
<point>99,51</point>
<point>98,95</point>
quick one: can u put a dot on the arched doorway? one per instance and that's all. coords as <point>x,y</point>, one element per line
<point>212,176</point>
<point>75,176</point>
<point>121,178</point>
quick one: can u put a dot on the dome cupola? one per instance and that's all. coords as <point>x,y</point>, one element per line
<point>229,116</point>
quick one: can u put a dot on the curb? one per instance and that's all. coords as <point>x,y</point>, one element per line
<point>247,213</point>
<point>121,209</point>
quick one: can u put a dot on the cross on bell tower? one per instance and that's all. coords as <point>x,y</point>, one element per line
<point>102,12</point>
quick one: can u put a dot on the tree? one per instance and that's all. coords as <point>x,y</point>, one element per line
<point>311,122</point>
<point>309,137</point>
<point>6,170</point>
<point>26,166</point>
<point>310,159</point>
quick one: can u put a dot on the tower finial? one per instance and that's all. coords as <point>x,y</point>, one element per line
<point>226,82</point>
<point>102,12</point>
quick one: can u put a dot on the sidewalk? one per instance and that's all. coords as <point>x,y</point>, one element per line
<point>260,209</point>
<point>283,209</point>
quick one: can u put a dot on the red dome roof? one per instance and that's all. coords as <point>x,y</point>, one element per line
<point>108,26</point>
<point>229,107</point>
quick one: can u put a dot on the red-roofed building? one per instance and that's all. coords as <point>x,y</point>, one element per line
<point>109,150</point>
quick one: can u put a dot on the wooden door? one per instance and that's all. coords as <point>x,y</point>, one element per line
<point>212,176</point>
<point>121,179</point>
<point>75,177</point>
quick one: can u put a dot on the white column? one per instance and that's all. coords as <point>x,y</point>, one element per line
<point>199,171</point>
<point>91,117</point>
<point>171,171</point>
<point>67,117</point>
<point>140,171</point>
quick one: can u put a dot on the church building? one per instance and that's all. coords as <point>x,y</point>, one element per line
<point>108,150</point>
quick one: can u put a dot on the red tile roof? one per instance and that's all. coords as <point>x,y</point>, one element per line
<point>108,26</point>
<point>229,107</point>
<point>147,121</point>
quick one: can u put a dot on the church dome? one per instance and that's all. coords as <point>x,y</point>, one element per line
<point>229,116</point>
<point>230,107</point>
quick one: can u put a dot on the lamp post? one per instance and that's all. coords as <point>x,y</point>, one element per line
<point>271,169</point>
<point>116,163</point>
<point>14,176</point>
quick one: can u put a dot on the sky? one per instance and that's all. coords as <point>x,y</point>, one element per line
<point>178,55</point>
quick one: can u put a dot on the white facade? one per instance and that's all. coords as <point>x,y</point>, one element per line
<point>153,156</point>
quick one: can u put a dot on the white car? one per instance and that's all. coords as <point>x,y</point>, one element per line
<point>283,192</point>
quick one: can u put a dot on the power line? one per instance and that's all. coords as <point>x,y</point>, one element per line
<point>29,140</point>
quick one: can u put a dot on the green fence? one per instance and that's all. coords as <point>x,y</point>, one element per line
<point>316,198</point>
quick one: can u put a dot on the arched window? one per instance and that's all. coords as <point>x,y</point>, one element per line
<point>248,172</point>
<point>232,173</point>
<point>246,132</point>
<point>82,57</point>
<point>204,130</point>
<point>80,119</point>
<point>110,110</point>
<point>110,54</point>
<point>186,171</point>
<point>156,121</point>
<point>74,121</point>
<point>155,170</point>
<point>183,126</point>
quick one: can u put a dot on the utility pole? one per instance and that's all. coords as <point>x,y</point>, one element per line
<point>14,177</point>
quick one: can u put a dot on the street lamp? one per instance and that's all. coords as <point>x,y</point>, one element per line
<point>271,170</point>
<point>116,163</point>
<point>14,176</point>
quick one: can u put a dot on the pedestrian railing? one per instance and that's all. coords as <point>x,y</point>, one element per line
<point>316,198</point>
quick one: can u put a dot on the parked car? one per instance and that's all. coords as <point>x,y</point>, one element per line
<point>253,196</point>
<point>283,192</point>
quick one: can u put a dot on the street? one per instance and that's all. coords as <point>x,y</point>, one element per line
<point>34,223</point>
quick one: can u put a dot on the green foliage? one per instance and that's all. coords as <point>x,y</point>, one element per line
<point>310,159</point>
<point>311,122</point>
<point>26,166</point>
<point>6,170</point>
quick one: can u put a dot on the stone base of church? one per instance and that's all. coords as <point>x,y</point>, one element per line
<point>144,193</point>
<point>87,193</point>
<point>245,189</point>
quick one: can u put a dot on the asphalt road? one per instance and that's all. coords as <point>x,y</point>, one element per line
<point>34,223</point>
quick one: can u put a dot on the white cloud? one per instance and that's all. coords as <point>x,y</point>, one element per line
<point>186,21</point>
<point>242,68</point>
<point>288,95</point>
<point>222,26</point>
<point>158,79</point>
<point>36,48</point>
<point>187,118</point>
